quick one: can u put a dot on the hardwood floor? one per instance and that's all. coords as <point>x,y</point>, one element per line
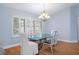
<point>13,51</point>
<point>62,48</point>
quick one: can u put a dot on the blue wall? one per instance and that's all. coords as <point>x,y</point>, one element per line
<point>6,14</point>
<point>60,22</point>
<point>77,17</point>
<point>65,21</point>
<point>1,35</point>
<point>73,22</point>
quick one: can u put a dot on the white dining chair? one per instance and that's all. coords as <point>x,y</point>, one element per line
<point>51,41</point>
<point>28,47</point>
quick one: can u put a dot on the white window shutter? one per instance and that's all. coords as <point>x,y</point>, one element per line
<point>15,26</point>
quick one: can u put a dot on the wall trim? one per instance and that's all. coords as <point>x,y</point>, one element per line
<point>9,46</point>
<point>69,41</point>
<point>64,40</point>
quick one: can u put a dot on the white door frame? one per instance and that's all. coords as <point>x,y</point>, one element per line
<point>78,28</point>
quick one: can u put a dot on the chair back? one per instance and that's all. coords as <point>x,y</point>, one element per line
<point>25,47</point>
<point>54,37</point>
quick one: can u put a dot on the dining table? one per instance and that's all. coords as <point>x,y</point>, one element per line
<point>39,39</point>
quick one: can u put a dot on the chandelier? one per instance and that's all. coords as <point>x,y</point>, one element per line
<point>44,16</point>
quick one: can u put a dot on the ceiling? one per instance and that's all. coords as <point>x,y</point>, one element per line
<point>37,8</point>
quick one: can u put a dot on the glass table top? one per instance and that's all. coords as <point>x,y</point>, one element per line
<point>38,36</point>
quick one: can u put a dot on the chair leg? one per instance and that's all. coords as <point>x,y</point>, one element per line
<point>40,46</point>
<point>51,49</point>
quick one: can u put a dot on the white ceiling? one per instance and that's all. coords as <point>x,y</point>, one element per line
<point>37,8</point>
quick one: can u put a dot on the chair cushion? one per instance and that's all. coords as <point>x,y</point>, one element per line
<point>34,47</point>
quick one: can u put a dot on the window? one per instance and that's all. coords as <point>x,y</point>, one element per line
<point>22,25</point>
<point>29,26</point>
<point>25,25</point>
<point>18,25</point>
<point>33,27</point>
<point>37,27</point>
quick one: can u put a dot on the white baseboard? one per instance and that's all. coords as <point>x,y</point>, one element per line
<point>9,46</point>
<point>64,40</point>
<point>69,41</point>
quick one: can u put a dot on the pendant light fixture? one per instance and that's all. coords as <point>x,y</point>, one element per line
<point>44,15</point>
